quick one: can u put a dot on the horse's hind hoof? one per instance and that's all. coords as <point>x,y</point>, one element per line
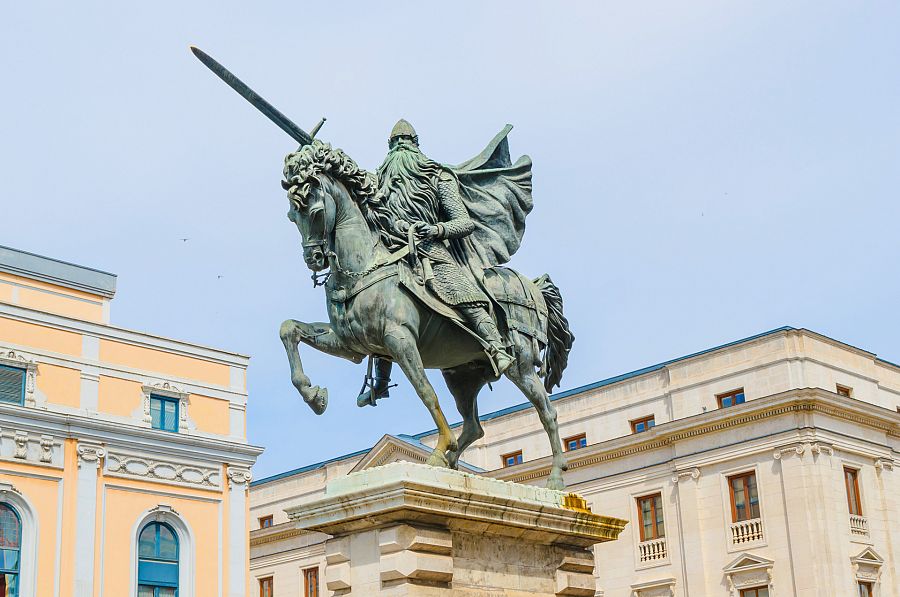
<point>317,399</point>
<point>437,459</point>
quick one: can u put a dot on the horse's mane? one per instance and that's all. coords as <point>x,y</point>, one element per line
<point>304,167</point>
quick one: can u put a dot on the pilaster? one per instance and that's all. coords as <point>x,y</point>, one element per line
<point>238,562</point>
<point>687,498</point>
<point>90,456</point>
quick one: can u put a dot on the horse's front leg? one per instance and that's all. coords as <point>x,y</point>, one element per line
<point>321,337</point>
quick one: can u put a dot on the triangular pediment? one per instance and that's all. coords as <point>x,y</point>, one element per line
<point>868,556</point>
<point>747,561</point>
<point>393,448</point>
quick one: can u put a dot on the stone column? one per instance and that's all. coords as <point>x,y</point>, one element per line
<point>89,460</point>
<point>238,482</point>
<point>690,535</point>
<point>410,530</point>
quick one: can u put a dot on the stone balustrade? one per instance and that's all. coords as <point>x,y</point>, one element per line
<point>653,550</point>
<point>859,525</point>
<point>746,531</point>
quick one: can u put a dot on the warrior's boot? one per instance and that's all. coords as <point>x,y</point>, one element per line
<point>378,386</point>
<point>484,326</point>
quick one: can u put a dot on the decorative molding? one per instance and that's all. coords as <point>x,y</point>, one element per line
<point>168,390</point>
<point>146,467</point>
<point>274,537</point>
<point>90,453</point>
<point>21,439</point>
<point>867,565</point>
<point>664,587</point>
<point>749,571</point>
<point>47,448</point>
<point>882,464</point>
<point>239,476</point>
<point>798,449</point>
<point>12,358</point>
<point>693,473</point>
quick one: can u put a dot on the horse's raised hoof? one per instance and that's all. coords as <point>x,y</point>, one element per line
<point>437,459</point>
<point>316,398</point>
<point>555,481</point>
<point>453,459</point>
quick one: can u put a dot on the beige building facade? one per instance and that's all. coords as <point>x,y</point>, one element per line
<point>768,466</point>
<point>124,462</point>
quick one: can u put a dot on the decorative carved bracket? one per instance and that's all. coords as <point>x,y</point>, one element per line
<point>693,473</point>
<point>239,476</point>
<point>90,453</point>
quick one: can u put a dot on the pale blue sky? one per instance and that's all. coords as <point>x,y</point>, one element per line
<point>703,171</point>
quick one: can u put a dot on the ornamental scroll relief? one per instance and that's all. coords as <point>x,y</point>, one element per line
<point>12,358</point>
<point>143,467</point>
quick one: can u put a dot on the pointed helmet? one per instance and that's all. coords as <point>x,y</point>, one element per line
<point>403,129</point>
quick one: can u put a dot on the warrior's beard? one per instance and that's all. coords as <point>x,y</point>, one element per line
<point>408,181</point>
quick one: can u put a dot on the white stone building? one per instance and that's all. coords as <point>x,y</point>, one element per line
<point>762,467</point>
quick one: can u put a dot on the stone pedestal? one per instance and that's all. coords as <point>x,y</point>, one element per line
<point>407,529</point>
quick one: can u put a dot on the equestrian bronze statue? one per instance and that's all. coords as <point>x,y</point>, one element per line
<point>411,259</point>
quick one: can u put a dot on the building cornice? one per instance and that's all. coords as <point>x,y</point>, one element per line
<point>810,400</point>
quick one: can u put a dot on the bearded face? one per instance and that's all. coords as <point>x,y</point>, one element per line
<point>408,181</point>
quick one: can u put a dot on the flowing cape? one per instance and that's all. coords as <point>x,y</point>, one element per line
<point>497,194</point>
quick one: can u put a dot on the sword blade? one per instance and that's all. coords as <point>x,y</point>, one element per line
<point>268,110</point>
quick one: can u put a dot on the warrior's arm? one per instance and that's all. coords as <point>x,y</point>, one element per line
<point>458,223</point>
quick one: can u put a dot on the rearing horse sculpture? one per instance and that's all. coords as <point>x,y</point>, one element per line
<point>377,307</point>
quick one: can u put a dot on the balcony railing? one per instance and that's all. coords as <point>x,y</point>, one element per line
<point>859,525</point>
<point>746,531</point>
<point>652,550</point>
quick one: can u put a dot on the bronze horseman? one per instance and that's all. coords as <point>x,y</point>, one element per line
<point>413,258</point>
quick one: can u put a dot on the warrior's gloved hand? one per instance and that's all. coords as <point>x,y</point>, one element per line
<point>427,231</point>
<point>402,226</point>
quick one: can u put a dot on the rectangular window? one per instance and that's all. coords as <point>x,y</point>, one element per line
<point>650,513</point>
<point>311,582</point>
<point>851,482</point>
<point>265,521</point>
<point>755,592</point>
<point>731,398</point>
<point>266,587</point>
<point>164,413</point>
<point>844,390</point>
<point>640,425</point>
<point>866,589</point>
<point>575,442</point>
<point>12,385</point>
<point>512,458</point>
<point>744,497</point>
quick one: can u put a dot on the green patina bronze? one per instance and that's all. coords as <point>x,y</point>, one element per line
<point>411,257</point>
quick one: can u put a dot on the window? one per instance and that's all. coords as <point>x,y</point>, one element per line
<point>12,385</point>
<point>640,425</point>
<point>266,587</point>
<point>731,398</point>
<point>744,497</point>
<point>311,582</point>
<point>10,546</point>
<point>650,513</point>
<point>866,589</point>
<point>844,390</point>
<point>851,482</point>
<point>755,592</point>
<point>265,521</point>
<point>157,561</point>
<point>575,442</point>
<point>164,413</point>
<point>512,459</point>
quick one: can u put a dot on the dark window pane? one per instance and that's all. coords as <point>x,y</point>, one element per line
<point>147,542</point>
<point>170,418</point>
<point>10,528</point>
<point>739,398</point>
<point>168,544</point>
<point>156,413</point>
<point>9,585</point>
<point>660,523</point>
<point>12,385</point>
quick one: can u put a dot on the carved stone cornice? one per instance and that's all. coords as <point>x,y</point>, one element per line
<point>239,476</point>
<point>155,469</point>
<point>89,453</point>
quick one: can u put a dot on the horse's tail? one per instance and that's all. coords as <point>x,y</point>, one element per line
<point>559,336</point>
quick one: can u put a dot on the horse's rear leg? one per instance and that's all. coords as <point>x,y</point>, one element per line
<point>464,383</point>
<point>522,374</point>
<point>401,344</point>
<point>321,337</point>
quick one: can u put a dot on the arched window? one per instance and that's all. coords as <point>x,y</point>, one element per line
<point>157,561</point>
<point>10,549</point>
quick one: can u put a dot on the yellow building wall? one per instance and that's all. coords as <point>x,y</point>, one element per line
<point>123,509</point>
<point>60,300</point>
<point>40,337</point>
<point>60,385</point>
<point>209,414</point>
<point>119,397</point>
<point>163,362</point>
<point>6,293</point>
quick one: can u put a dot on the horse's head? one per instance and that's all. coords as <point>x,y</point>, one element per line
<point>319,178</point>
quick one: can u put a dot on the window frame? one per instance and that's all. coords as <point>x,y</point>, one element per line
<point>843,390</point>
<point>270,580</point>
<point>24,385</point>
<point>746,592</point>
<point>158,524</point>
<point>164,399</point>
<point>640,513</point>
<point>263,519</point>
<point>749,507</point>
<point>869,585</point>
<point>731,394</point>
<point>312,571</point>
<point>17,572</point>
<point>635,422</point>
<point>581,438</point>
<point>857,495</point>
<point>515,455</point>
